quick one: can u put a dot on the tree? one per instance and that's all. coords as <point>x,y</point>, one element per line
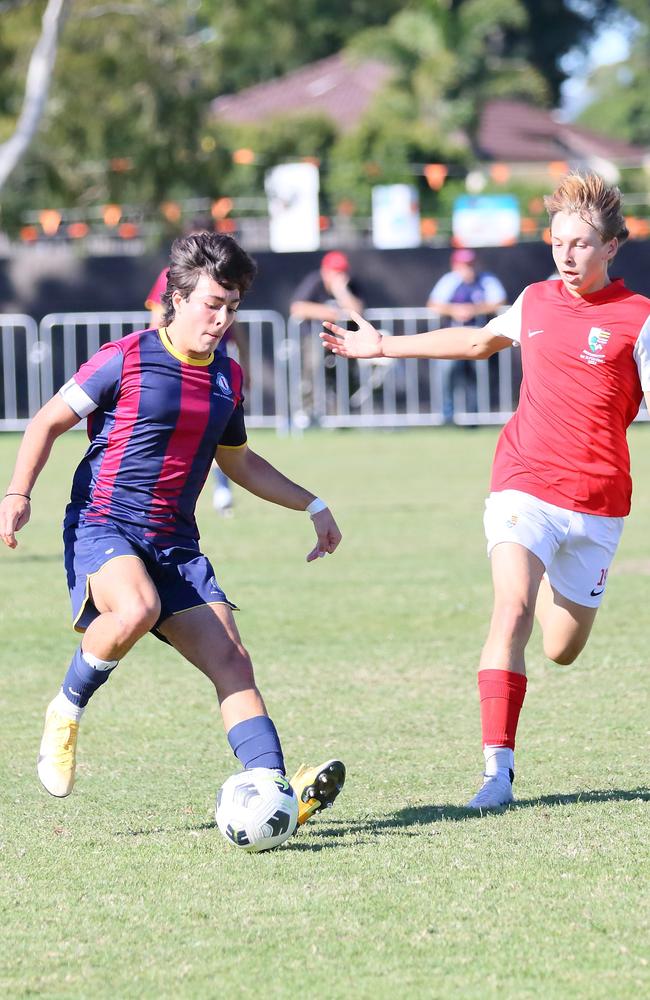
<point>620,93</point>
<point>553,28</point>
<point>39,75</point>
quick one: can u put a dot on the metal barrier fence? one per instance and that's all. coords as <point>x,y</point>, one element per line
<point>20,394</point>
<point>37,360</point>
<point>293,383</point>
<point>330,391</point>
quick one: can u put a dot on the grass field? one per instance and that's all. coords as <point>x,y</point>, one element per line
<point>127,889</point>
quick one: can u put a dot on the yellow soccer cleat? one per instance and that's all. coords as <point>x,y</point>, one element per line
<point>317,787</point>
<point>56,758</point>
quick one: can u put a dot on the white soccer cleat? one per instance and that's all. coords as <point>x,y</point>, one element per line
<point>57,756</point>
<point>495,792</point>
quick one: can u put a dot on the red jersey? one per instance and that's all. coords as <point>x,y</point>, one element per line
<point>154,298</point>
<point>586,364</point>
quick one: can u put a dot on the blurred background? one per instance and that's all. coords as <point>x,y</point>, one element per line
<point>392,132</point>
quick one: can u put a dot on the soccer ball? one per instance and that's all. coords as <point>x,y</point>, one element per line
<point>257,809</point>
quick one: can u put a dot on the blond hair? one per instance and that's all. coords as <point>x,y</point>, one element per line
<point>588,196</point>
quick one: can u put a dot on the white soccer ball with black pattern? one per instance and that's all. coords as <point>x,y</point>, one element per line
<point>257,809</point>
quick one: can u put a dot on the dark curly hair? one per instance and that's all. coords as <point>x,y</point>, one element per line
<point>213,254</point>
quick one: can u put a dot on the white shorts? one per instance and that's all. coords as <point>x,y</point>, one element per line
<point>576,548</point>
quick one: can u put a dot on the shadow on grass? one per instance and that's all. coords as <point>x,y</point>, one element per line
<point>413,816</point>
<point>421,815</point>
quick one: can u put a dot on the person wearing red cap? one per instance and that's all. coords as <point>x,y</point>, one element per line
<point>561,484</point>
<point>329,293</point>
<point>326,294</point>
<point>467,296</point>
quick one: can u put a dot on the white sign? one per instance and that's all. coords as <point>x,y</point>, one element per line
<point>395,216</point>
<point>292,193</point>
<point>486,220</point>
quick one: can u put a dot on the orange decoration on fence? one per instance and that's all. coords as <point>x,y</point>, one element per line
<point>436,174</point>
<point>500,173</point>
<point>50,221</point>
<point>244,157</point>
<point>111,215</point>
<point>221,208</point>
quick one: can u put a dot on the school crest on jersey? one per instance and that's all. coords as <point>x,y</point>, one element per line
<point>222,383</point>
<point>597,341</point>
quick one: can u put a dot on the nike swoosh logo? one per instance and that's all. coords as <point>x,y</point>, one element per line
<point>533,333</point>
<point>597,593</point>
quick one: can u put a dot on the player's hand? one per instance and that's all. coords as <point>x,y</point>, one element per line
<point>14,515</point>
<point>328,534</point>
<point>362,343</point>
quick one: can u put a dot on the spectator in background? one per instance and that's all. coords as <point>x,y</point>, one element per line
<point>328,293</point>
<point>222,498</point>
<point>468,296</point>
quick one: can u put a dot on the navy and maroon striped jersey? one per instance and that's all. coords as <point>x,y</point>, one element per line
<point>155,418</point>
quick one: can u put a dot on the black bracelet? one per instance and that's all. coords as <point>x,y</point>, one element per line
<point>19,495</point>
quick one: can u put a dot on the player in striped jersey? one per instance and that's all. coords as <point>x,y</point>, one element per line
<point>160,405</point>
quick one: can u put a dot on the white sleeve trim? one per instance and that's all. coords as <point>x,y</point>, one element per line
<point>77,399</point>
<point>642,355</point>
<point>508,323</point>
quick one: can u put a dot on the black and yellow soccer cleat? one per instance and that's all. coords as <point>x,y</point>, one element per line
<point>317,787</point>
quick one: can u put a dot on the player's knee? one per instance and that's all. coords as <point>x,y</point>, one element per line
<point>139,616</point>
<point>562,654</point>
<point>513,618</point>
<point>235,667</point>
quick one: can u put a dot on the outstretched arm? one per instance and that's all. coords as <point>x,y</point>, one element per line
<point>462,342</point>
<point>51,421</point>
<point>258,476</point>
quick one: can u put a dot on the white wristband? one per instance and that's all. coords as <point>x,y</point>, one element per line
<point>316,506</point>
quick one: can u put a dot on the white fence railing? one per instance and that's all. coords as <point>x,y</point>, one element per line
<point>333,392</point>
<point>37,360</point>
<point>20,387</point>
<point>291,382</point>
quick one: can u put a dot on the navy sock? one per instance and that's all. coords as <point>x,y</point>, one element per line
<point>82,680</point>
<point>255,742</point>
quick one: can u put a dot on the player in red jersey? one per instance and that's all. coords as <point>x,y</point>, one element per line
<point>160,405</point>
<point>561,476</point>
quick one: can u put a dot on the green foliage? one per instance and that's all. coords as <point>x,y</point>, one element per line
<point>553,28</point>
<point>385,150</point>
<point>257,41</point>
<point>128,118</point>
<point>620,94</point>
<point>126,889</point>
<point>450,59</point>
<point>282,140</point>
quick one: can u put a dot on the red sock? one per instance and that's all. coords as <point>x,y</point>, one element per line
<point>502,694</point>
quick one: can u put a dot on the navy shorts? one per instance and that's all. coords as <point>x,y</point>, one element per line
<point>182,575</point>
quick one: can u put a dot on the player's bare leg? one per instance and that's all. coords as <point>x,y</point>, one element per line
<point>516,576</point>
<point>208,637</point>
<point>566,626</point>
<point>128,603</point>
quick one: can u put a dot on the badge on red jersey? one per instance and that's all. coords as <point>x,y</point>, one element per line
<point>597,341</point>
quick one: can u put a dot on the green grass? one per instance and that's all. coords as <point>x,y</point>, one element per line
<point>127,889</point>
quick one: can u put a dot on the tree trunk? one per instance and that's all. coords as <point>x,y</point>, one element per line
<point>39,75</point>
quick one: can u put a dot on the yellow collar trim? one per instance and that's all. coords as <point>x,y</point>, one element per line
<point>167,344</point>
